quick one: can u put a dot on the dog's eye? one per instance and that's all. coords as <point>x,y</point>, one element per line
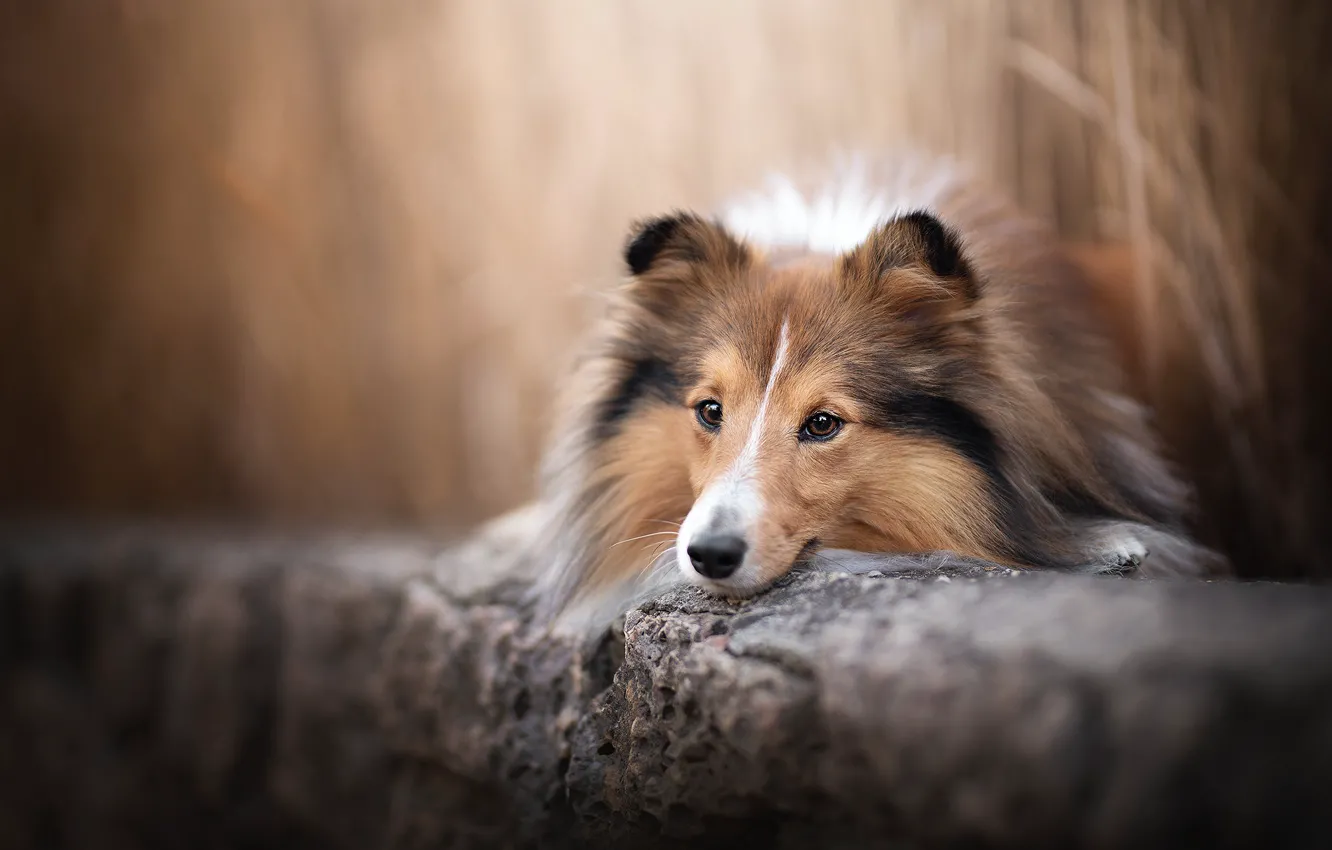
<point>709,413</point>
<point>820,426</point>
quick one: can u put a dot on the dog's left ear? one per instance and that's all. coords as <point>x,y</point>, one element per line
<point>915,263</point>
<point>676,258</point>
<point>680,238</point>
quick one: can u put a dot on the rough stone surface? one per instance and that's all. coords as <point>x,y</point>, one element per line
<point>172,690</point>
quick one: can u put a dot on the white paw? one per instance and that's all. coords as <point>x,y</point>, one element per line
<point>1124,550</point>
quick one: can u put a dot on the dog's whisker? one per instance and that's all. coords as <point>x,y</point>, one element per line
<point>643,536</point>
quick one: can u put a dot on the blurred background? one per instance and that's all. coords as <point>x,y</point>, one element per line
<point>321,262</point>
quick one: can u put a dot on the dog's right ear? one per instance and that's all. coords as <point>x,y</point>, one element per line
<point>671,243</point>
<point>916,266</point>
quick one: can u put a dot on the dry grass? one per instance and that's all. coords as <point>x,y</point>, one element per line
<point>323,261</point>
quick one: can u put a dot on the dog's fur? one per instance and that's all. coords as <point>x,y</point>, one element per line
<point>966,354</point>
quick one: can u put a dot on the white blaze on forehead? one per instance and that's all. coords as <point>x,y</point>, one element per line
<point>732,504</point>
<point>750,452</point>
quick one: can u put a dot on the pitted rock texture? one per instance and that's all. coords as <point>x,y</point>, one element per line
<point>171,690</point>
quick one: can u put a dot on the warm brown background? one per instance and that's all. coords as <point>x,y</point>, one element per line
<point>320,261</point>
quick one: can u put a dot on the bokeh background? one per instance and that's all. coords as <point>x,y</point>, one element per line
<point>322,262</point>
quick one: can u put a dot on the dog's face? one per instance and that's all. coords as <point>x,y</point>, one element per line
<point>802,402</point>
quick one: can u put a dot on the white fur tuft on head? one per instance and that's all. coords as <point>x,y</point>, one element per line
<point>844,210</point>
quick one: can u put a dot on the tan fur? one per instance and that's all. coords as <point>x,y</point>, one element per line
<point>933,500</point>
<point>1023,446</point>
<point>648,494</point>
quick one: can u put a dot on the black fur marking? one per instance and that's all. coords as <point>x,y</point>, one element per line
<point>648,240</point>
<point>1078,503</point>
<point>941,418</point>
<point>643,377</point>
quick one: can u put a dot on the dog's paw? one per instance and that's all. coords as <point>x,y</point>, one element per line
<point>1123,550</point>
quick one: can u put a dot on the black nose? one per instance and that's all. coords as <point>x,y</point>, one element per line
<point>717,555</point>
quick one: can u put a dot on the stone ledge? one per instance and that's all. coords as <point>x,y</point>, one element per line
<point>163,689</point>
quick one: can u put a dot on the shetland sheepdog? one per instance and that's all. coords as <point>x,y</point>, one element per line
<point>886,359</point>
